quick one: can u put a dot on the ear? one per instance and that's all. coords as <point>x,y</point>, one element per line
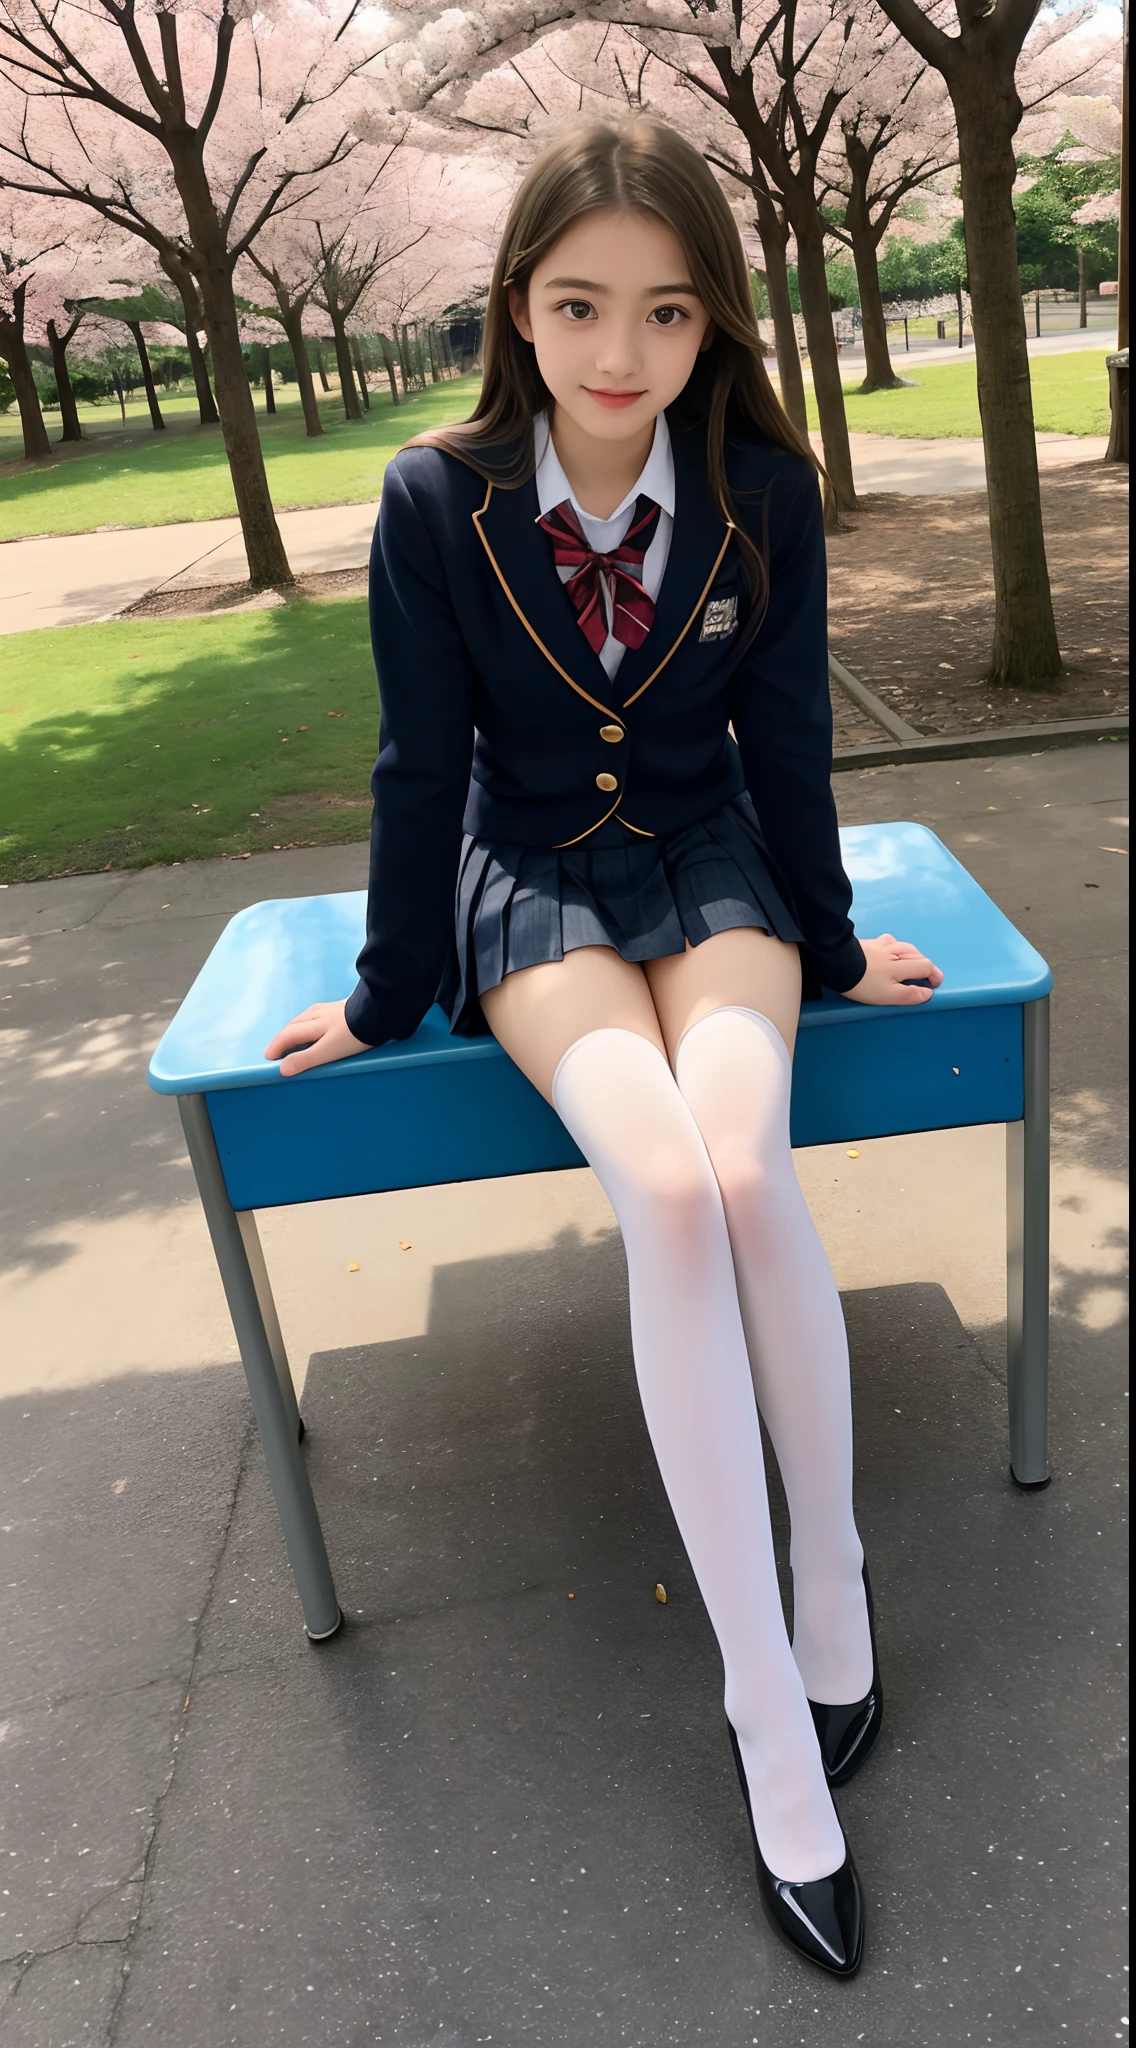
<point>519,309</point>
<point>709,338</point>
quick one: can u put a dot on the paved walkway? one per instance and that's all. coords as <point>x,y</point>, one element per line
<point>486,1813</point>
<point>1067,341</point>
<point>72,579</point>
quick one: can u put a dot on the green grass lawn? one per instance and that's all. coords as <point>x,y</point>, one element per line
<point>1070,396</point>
<point>84,710</point>
<point>134,477</point>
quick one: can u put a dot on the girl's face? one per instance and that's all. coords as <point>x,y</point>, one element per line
<point>615,322</point>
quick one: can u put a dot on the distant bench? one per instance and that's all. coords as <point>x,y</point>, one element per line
<point>434,1108</point>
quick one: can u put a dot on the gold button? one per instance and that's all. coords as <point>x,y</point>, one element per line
<point>607,782</point>
<point>611,733</point>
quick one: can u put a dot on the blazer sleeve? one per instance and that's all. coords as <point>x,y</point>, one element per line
<point>421,777</point>
<point>782,717</point>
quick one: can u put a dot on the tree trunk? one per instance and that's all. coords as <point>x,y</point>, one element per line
<point>212,264</point>
<point>388,364</point>
<point>293,325</point>
<point>824,359</point>
<point>208,415</point>
<point>267,560</point>
<point>435,373</point>
<point>878,372</point>
<point>406,347</point>
<point>360,372</point>
<point>13,349</point>
<point>269,393</point>
<point>958,304</point>
<point>774,235</point>
<point>68,410</point>
<point>1082,291</point>
<point>351,406</point>
<point>185,285</point>
<point>987,110</point>
<point>156,420</point>
<point>322,372</point>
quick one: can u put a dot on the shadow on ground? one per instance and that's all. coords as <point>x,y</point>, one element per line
<point>492,1812</point>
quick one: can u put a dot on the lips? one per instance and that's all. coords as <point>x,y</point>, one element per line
<point>614,400</point>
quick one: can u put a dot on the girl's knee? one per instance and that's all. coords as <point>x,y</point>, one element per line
<point>676,1183</point>
<point>749,1184</point>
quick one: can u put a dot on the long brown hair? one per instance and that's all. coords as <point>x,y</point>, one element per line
<point>646,167</point>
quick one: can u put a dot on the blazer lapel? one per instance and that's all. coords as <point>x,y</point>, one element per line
<point>698,545</point>
<point>521,557</point>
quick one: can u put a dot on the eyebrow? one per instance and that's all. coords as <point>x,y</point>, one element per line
<point>587,284</point>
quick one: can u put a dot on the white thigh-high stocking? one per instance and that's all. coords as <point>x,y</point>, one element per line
<point>617,1095</point>
<point>734,1070</point>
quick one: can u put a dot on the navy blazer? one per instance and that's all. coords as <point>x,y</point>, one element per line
<point>498,719</point>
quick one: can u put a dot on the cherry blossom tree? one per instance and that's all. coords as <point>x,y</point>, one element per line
<point>189,126</point>
<point>362,223</point>
<point>132,312</point>
<point>285,257</point>
<point>33,240</point>
<point>979,63</point>
<point>896,133</point>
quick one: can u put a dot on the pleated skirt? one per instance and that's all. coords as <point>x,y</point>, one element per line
<point>518,906</point>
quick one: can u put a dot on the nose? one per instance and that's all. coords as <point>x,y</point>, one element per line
<point>617,350</point>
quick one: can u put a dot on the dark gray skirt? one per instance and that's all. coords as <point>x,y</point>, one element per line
<point>518,906</point>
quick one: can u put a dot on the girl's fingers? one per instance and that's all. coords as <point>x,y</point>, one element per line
<point>925,969</point>
<point>300,1031</point>
<point>297,1062</point>
<point>914,967</point>
<point>320,1054</point>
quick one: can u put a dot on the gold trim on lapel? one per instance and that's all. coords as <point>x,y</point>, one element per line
<point>534,635</point>
<point>731,528</point>
<point>637,829</point>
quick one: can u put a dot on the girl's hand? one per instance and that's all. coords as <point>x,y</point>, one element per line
<point>322,1033</point>
<point>892,966</point>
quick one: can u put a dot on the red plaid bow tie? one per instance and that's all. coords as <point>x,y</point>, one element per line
<point>622,570</point>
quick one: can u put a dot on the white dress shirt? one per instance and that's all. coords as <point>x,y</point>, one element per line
<point>657,481</point>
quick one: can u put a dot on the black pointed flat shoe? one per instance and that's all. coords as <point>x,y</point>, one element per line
<point>823,1919</point>
<point>847,1735</point>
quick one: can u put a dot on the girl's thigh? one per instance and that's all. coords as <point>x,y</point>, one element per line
<point>749,969</point>
<point>538,1012</point>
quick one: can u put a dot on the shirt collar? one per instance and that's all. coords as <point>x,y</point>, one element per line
<point>657,479</point>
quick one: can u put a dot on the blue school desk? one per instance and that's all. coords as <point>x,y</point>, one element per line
<point>434,1108</point>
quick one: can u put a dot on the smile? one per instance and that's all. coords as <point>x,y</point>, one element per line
<point>614,398</point>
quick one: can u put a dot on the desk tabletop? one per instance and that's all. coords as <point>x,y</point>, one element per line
<point>275,958</point>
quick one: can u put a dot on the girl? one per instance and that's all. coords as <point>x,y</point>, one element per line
<point>598,616</point>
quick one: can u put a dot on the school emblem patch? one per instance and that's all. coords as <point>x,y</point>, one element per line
<point>719,619</point>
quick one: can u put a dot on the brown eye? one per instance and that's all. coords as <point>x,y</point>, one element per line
<point>577,309</point>
<point>668,316</point>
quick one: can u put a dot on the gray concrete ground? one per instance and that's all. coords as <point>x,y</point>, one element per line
<point>488,1812</point>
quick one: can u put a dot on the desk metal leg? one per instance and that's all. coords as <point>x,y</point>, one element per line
<point>249,1296</point>
<point>258,1273</point>
<point>1027,1257</point>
